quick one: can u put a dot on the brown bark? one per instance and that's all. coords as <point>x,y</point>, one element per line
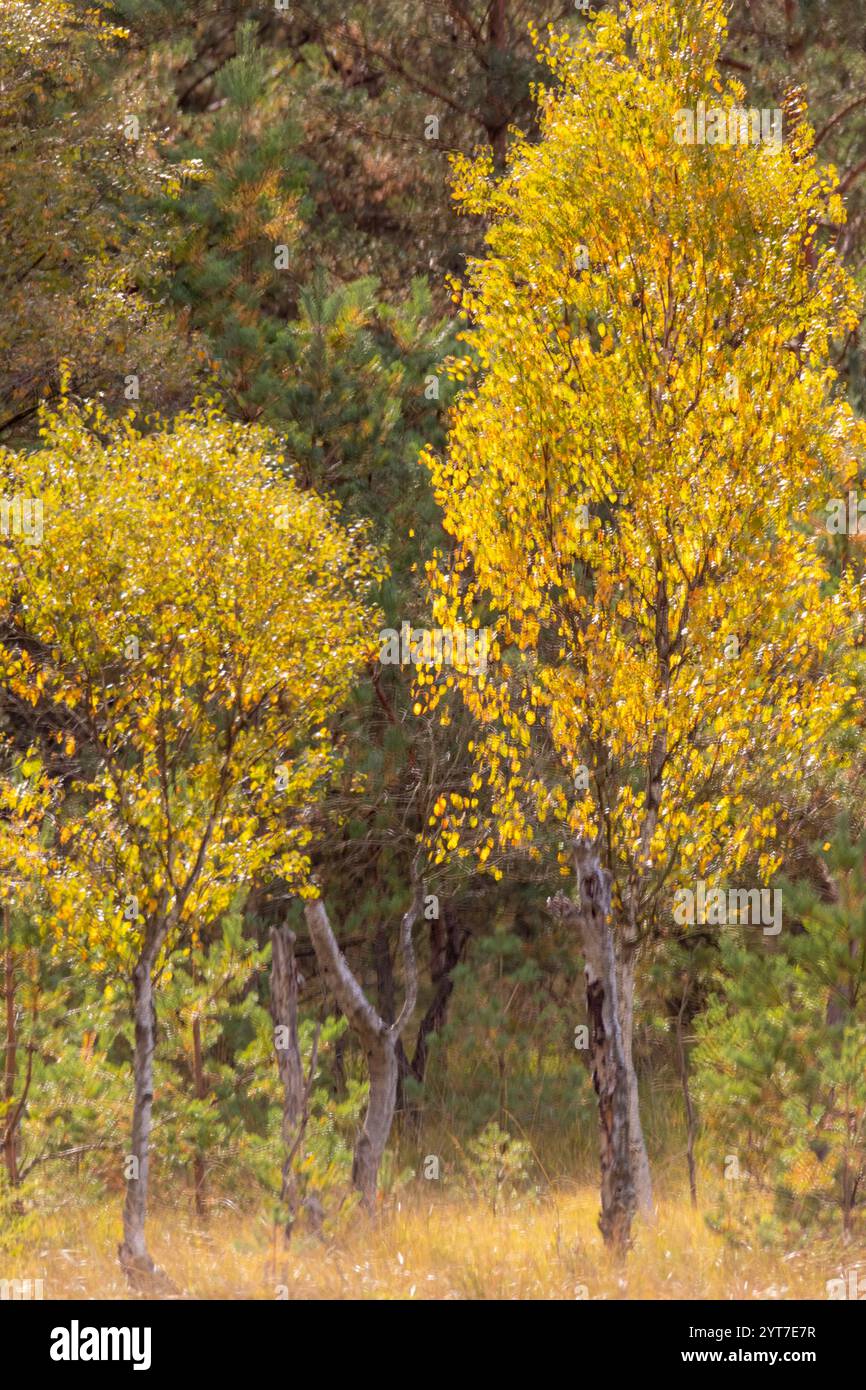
<point>850,1182</point>
<point>497,122</point>
<point>377,1037</point>
<point>448,938</point>
<point>591,916</point>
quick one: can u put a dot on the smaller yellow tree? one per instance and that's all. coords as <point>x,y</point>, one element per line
<point>196,619</point>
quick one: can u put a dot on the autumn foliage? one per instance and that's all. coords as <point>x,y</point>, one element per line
<point>432,464</point>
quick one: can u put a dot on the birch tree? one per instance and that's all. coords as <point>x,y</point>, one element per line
<point>378,1038</point>
<point>200,619</point>
<point>635,479</point>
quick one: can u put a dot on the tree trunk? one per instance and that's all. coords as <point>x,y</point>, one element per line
<point>134,1256</point>
<point>848,1195</point>
<point>200,1092</point>
<point>591,916</point>
<point>683,1068</point>
<point>637,1146</point>
<point>378,1038</point>
<point>285,983</point>
<point>386,995</point>
<point>496,119</point>
<point>838,1011</point>
<point>448,938</point>
<point>370,1146</point>
<point>10,1132</point>
<point>627,940</point>
<point>340,1087</point>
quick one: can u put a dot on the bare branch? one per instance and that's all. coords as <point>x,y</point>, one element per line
<point>410,968</point>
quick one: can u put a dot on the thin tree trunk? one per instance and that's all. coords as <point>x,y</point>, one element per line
<point>385,990</point>
<point>134,1256</point>
<point>838,1011</point>
<point>371,1142</point>
<point>683,1067</point>
<point>285,984</point>
<point>591,916</point>
<point>448,939</point>
<point>378,1038</point>
<point>637,1145</point>
<point>10,1133</point>
<point>848,1193</point>
<point>497,125</point>
<point>200,1092</point>
<point>627,940</point>
<point>340,1088</point>
<point>386,994</point>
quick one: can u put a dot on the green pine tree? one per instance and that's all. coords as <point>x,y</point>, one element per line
<point>781,1058</point>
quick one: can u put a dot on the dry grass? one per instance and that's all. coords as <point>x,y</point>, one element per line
<point>419,1248</point>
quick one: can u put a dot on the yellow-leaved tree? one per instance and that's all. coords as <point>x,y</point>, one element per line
<point>195,620</point>
<point>25,802</point>
<point>636,471</point>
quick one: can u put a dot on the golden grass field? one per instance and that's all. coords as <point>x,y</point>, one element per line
<point>417,1248</point>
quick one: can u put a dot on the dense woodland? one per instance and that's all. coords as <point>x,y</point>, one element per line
<point>329,331</point>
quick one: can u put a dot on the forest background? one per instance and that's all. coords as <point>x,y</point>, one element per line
<point>240,344</point>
